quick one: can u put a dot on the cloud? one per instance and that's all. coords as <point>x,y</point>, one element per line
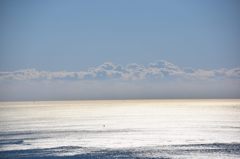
<point>159,70</point>
<point>160,79</point>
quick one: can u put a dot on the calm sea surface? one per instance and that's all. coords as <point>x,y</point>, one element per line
<point>120,129</point>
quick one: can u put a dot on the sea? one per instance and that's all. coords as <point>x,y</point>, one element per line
<point>95,129</point>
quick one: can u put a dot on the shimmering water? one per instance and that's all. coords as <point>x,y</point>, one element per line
<point>120,129</point>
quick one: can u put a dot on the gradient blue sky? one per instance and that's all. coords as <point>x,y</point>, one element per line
<point>74,35</point>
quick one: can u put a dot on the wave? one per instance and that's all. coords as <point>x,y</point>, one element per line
<point>18,133</point>
<point>219,150</point>
<point>11,141</point>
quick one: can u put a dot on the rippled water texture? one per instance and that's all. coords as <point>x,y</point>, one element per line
<point>120,129</point>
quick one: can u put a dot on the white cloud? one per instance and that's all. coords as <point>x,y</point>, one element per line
<point>158,70</point>
<point>161,79</point>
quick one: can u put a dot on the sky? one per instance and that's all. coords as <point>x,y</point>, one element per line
<point>89,49</point>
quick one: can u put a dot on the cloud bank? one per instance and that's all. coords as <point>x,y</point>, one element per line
<point>156,80</point>
<point>109,71</point>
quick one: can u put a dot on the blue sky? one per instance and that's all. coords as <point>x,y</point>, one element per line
<point>73,35</point>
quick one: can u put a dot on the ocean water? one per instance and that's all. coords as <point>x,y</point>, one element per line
<point>120,129</point>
